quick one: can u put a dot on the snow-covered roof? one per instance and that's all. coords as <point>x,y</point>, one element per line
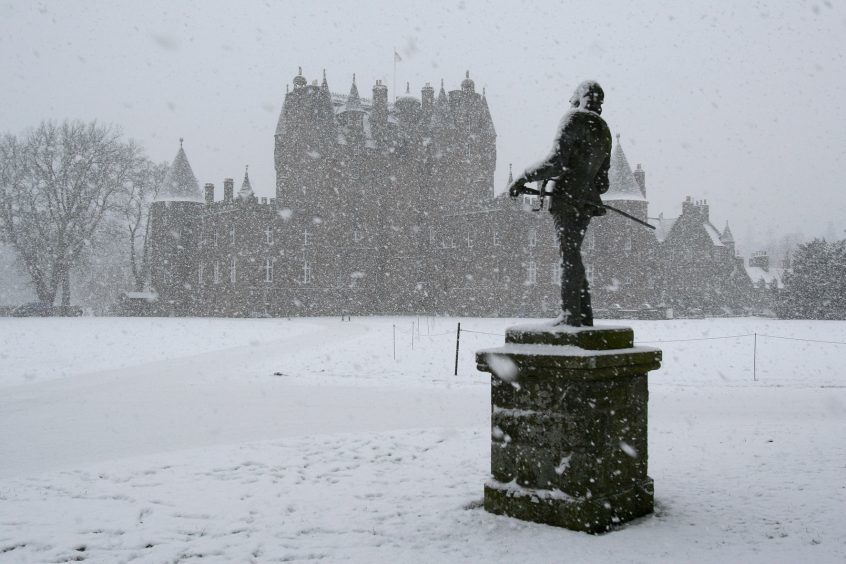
<point>758,274</point>
<point>714,234</point>
<point>662,226</point>
<point>180,182</point>
<point>622,183</point>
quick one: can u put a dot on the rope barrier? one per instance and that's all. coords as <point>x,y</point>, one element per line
<point>699,339</point>
<point>805,340</point>
<point>483,333</point>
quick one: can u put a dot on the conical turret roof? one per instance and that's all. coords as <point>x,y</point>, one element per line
<point>246,190</point>
<point>442,118</point>
<point>727,237</point>
<point>622,184</point>
<point>485,120</point>
<point>179,182</point>
<point>353,100</point>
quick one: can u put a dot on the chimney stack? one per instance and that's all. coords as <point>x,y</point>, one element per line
<point>209,194</point>
<point>640,178</point>
<point>228,189</point>
<point>427,97</point>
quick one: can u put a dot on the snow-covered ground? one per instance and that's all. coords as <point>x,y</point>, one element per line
<point>158,440</point>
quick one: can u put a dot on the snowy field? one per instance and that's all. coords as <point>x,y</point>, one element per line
<point>161,440</point>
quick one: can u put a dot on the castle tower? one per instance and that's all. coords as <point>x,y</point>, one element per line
<point>172,243</point>
<point>352,116</point>
<point>624,190</point>
<point>305,137</point>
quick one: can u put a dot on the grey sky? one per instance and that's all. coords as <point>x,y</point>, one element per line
<point>741,105</point>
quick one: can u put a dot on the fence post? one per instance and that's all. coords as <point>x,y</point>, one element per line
<point>457,340</point>
<point>755,357</point>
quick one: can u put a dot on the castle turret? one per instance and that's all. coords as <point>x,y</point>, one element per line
<point>353,114</point>
<point>408,107</point>
<point>209,193</point>
<point>172,243</point>
<point>179,182</point>
<point>443,122</point>
<point>467,85</point>
<point>623,187</point>
<point>306,131</point>
<point>245,194</point>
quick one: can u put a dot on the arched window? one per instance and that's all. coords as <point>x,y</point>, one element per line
<point>268,270</point>
<point>533,237</point>
<point>532,273</point>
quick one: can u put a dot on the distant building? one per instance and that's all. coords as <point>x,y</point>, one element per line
<point>389,208</point>
<point>767,282</point>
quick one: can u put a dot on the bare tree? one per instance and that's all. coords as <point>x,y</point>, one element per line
<point>56,184</point>
<point>132,212</point>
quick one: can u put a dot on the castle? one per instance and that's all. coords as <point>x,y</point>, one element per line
<point>386,208</point>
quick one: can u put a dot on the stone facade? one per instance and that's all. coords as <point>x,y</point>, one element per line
<point>389,208</point>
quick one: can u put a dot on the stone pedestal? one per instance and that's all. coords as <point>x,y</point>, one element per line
<point>568,426</point>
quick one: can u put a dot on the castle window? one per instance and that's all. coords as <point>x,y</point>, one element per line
<point>628,243</point>
<point>306,272</point>
<point>431,235</point>
<point>215,238</point>
<point>532,273</point>
<point>232,272</point>
<point>216,272</point>
<point>268,270</point>
<point>232,235</point>
<point>357,236</point>
<point>200,269</point>
<point>496,240</point>
<point>469,239</point>
<point>268,235</point>
<point>589,273</point>
<point>556,274</point>
<point>533,237</point>
<point>305,238</point>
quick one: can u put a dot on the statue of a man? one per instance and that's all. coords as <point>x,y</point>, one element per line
<point>578,164</point>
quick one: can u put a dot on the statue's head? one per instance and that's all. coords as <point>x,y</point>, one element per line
<point>589,96</point>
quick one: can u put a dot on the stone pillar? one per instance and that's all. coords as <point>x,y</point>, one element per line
<point>568,426</point>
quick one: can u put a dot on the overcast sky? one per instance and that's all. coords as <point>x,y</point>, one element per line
<point>741,105</point>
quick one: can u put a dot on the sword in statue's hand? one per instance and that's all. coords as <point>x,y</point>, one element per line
<point>541,193</point>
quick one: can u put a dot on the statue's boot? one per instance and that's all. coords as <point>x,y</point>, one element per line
<point>565,318</point>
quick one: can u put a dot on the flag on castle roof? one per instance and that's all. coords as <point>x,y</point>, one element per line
<point>621,180</point>
<point>179,182</point>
